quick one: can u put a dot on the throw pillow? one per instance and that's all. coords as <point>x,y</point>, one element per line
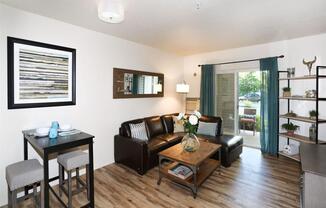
<point>138,131</point>
<point>206,128</point>
<point>178,125</point>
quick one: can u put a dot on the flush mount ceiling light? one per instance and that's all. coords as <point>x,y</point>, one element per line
<point>111,11</point>
<point>198,4</point>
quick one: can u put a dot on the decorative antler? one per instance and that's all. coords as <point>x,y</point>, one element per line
<point>309,64</point>
<point>314,60</point>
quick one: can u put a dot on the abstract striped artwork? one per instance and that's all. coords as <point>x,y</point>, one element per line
<point>43,75</point>
<point>40,74</point>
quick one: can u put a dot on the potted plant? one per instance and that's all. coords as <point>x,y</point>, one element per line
<point>291,114</point>
<point>313,114</point>
<point>286,92</point>
<point>290,128</point>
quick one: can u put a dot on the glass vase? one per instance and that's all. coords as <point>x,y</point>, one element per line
<point>190,142</point>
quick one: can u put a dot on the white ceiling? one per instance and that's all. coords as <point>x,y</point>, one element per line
<point>177,26</point>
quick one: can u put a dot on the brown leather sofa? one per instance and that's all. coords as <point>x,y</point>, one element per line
<point>142,155</point>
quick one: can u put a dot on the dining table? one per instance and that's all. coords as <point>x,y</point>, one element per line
<point>48,148</point>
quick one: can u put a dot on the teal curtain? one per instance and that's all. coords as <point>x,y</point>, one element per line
<point>207,90</point>
<point>269,105</point>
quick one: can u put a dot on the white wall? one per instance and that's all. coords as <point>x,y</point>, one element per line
<point>96,112</point>
<point>294,50</point>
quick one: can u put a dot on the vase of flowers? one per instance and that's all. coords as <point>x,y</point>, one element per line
<point>190,142</point>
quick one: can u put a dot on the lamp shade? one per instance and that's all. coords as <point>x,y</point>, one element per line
<point>111,11</point>
<point>182,88</point>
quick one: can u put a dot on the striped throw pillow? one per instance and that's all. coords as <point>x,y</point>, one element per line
<point>138,131</point>
<point>207,128</point>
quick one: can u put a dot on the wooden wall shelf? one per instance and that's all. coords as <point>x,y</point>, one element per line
<point>303,119</point>
<point>303,77</point>
<point>295,157</point>
<point>298,138</point>
<point>298,98</point>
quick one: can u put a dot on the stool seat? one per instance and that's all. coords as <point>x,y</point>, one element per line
<point>73,160</point>
<point>24,173</point>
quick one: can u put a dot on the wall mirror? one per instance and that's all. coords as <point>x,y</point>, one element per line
<point>137,84</point>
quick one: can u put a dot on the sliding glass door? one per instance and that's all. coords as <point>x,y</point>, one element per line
<point>225,101</point>
<point>249,98</point>
<point>238,102</point>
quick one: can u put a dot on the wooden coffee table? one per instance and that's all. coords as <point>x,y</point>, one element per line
<point>199,162</point>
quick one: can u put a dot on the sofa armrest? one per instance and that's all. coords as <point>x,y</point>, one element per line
<point>131,152</point>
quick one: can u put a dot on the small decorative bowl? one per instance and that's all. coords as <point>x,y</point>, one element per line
<point>43,131</point>
<point>65,127</point>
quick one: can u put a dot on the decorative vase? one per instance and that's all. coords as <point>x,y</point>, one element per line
<point>53,133</point>
<point>291,72</point>
<point>312,132</point>
<point>190,142</point>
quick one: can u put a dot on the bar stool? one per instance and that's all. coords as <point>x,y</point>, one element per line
<point>21,174</point>
<point>69,162</point>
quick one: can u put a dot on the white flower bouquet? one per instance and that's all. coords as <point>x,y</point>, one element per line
<point>190,123</point>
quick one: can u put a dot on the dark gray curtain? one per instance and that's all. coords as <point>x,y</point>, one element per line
<point>269,105</point>
<point>207,90</point>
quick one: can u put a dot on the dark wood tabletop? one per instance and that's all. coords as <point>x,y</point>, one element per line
<point>45,143</point>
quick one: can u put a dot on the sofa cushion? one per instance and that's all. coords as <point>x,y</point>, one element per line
<point>170,138</point>
<point>168,123</point>
<point>212,119</point>
<point>180,134</point>
<point>178,125</point>
<point>207,128</point>
<point>156,144</point>
<point>125,127</point>
<point>138,131</point>
<point>229,141</point>
<point>247,120</point>
<point>155,126</point>
<point>205,138</point>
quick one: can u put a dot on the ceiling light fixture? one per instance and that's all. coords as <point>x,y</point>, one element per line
<point>198,4</point>
<point>111,11</point>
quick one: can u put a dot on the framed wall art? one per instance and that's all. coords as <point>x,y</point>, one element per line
<point>40,74</point>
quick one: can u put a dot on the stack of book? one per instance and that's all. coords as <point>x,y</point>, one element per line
<point>181,171</point>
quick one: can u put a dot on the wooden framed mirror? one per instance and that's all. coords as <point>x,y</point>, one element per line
<point>137,84</point>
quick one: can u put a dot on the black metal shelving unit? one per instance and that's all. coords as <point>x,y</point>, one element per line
<point>317,121</point>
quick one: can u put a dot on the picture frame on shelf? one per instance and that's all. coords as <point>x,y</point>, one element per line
<point>40,74</point>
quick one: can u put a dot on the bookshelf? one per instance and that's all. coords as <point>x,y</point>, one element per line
<point>291,101</point>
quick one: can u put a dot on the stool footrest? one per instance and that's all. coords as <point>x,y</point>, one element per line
<point>76,191</point>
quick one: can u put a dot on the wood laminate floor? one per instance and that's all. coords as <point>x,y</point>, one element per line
<point>252,181</point>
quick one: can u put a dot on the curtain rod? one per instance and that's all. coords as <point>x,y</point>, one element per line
<point>235,62</point>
